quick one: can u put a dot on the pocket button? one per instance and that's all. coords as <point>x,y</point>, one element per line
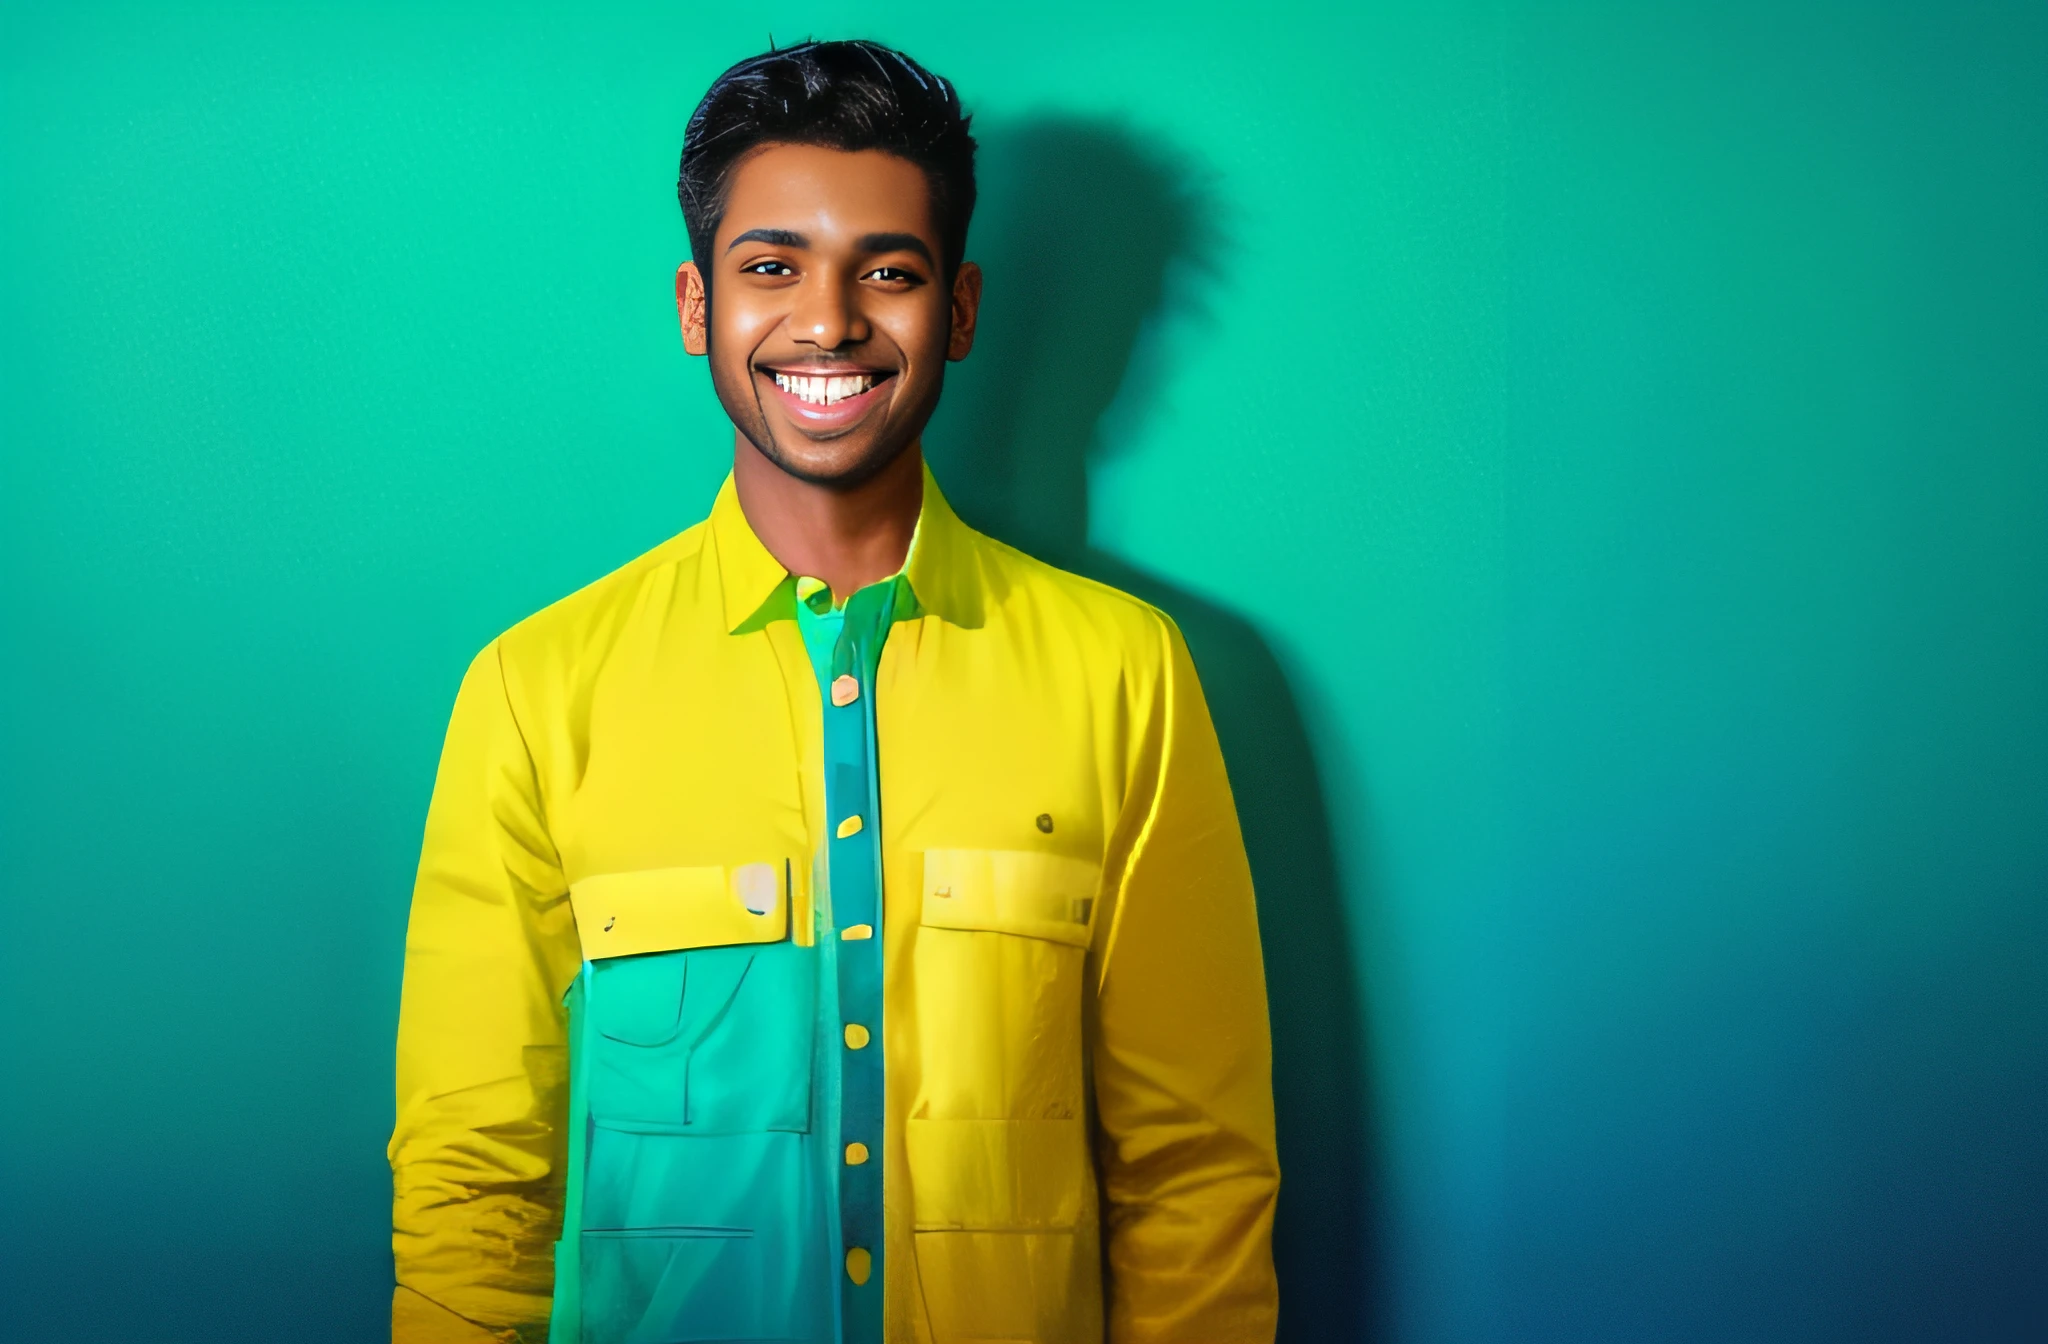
<point>756,885</point>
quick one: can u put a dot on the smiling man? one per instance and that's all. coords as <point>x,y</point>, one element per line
<point>833,925</point>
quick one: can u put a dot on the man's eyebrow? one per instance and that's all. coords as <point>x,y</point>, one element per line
<point>772,237</point>
<point>896,242</point>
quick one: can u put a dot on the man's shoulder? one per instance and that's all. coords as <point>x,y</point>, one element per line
<point>597,611</point>
<point>1103,617</point>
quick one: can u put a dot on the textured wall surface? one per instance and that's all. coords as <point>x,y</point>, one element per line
<point>1599,454</point>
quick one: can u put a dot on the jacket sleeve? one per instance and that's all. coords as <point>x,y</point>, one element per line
<point>1182,1055</point>
<point>477,1153</point>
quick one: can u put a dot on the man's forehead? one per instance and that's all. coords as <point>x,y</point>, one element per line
<point>817,189</point>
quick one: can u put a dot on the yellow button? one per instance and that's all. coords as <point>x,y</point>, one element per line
<point>845,690</point>
<point>856,1036</point>
<point>853,933</point>
<point>1045,822</point>
<point>856,1153</point>
<point>851,826</point>
<point>858,1263</point>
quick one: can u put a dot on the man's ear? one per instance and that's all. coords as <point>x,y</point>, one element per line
<point>690,309</point>
<point>966,310</point>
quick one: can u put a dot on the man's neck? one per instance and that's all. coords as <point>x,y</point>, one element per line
<point>848,538</point>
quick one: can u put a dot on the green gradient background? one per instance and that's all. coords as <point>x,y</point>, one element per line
<point>1601,460</point>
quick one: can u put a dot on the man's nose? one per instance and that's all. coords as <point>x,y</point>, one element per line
<point>827,312</point>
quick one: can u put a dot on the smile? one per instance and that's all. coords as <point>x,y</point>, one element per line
<point>826,403</point>
<point>825,391</point>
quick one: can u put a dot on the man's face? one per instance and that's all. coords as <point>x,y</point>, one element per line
<point>830,324</point>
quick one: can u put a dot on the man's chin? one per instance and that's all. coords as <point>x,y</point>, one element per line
<point>834,462</point>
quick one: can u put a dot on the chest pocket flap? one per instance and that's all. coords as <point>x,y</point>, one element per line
<point>671,909</point>
<point>1033,895</point>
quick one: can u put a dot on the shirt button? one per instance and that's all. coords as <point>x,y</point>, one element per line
<point>856,1036</point>
<point>858,1264</point>
<point>845,690</point>
<point>851,826</point>
<point>856,1153</point>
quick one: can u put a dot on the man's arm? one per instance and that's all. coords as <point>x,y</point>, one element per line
<point>1182,1055</point>
<point>477,1155</point>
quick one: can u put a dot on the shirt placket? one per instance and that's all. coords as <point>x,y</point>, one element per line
<point>854,859</point>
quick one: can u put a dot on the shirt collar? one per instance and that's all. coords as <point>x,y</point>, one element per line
<point>943,569</point>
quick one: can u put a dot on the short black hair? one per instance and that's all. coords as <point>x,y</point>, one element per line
<point>841,95</point>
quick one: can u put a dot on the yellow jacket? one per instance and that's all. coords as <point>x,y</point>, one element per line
<point>1076,1048</point>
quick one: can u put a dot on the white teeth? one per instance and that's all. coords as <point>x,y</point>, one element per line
<point>824,391</point>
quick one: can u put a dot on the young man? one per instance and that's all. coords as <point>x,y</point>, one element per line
<point>833,925</point>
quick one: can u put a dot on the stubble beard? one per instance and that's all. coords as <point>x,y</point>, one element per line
<point>743,407</point>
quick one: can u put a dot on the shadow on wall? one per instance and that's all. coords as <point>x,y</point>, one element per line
<point>1092,238</point>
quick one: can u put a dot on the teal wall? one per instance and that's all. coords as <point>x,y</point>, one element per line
<point>1599,453</point>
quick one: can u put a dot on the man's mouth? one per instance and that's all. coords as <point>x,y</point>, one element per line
<point>826,390</point>
<point>827,403</point>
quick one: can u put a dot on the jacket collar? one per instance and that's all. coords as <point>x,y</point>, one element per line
<point>943,568</point>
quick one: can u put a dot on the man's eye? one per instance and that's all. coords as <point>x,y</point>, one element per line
<point>768,268</point>
<point>894,275</point>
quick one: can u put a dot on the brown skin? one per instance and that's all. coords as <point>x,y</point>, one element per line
<point>827,263</point>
